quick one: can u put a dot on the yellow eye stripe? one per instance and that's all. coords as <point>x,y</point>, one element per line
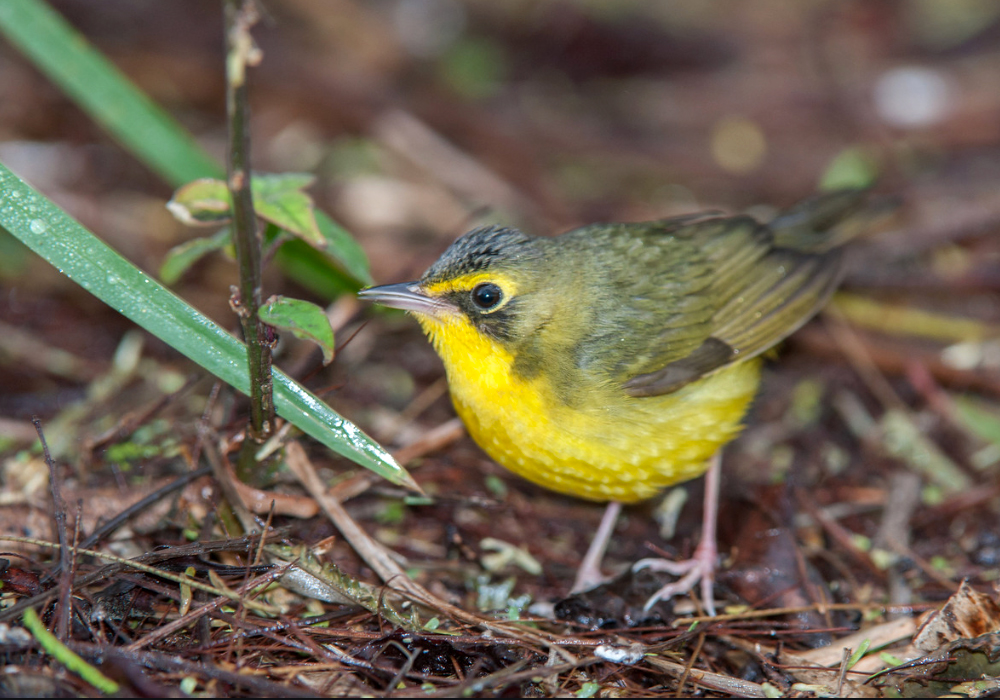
<point>468,282</point>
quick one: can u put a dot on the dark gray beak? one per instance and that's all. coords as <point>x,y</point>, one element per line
<point>407,296</point>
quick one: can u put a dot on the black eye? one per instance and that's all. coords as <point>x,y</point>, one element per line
<point>486,296</point>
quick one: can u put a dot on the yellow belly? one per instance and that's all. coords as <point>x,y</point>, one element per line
<point>615,447</point>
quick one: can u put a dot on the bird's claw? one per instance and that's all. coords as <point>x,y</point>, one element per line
<point>700,567</point>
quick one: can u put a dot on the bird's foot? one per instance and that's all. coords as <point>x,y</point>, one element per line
<point>700,567</point>
<point>588,577</point>
<point>589,574</point>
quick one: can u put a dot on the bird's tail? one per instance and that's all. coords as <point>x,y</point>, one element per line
<point>828,220</point>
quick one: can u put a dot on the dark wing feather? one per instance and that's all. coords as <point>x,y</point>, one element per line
<point>764,284</point>
<point>707,357</point>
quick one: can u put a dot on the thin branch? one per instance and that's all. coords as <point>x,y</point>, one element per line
<point>240,16</point>
<point>63,612</point>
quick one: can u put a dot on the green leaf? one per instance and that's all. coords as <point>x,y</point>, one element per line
<point>183,256</point>
<point>344,249</point>
<point>856,656</point>
<point>204,202</point>
<point>771,691</point>
<point>302,319</point>
<point>280,200</point>
<point>852,168</point>
<point>92,264</point>
<point>277,198</point>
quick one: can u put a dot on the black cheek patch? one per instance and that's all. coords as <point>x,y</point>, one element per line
<point>498,324</point>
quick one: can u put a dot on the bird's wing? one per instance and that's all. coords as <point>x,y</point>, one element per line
<point>750,285</point>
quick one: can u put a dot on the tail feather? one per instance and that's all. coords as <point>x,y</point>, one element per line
<point>825,221</point>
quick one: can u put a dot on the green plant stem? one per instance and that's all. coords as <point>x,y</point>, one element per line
<point>65,656</point>
<point>240,16</point>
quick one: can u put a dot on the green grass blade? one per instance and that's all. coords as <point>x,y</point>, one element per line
<point>66,656</point>
<point>102,91</point>
<point>88,261</point>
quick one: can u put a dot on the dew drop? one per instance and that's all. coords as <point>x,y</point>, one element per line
<point>38,226</point>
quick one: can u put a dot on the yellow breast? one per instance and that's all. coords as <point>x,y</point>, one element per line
<point>616,447</point>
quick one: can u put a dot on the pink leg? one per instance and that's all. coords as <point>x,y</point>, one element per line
<point>701,567</point>
<point>589,574</point>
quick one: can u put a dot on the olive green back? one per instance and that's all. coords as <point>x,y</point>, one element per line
<point>668,302</point>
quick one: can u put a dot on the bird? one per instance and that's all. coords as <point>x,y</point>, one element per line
<point>617,359</point>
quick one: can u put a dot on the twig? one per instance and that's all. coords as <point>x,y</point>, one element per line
<point>794,610</point>
<point>26,349</point>
<point>838,532</point>
<point>137,507</point>
<point>226,481</point>
<point>372,553</point>
<point>963,221</point>
<point>172,663</point>
<point>901,504</point>
<point>197,549</point>
<point>856,353</point>
<point>182,579</point>
<point>203,428</point>
<point>893,357</point>
<point>842,671</point>
<point>240,16</point>
<point>185,620</point>
<point>405,134</point>
<point>431,441</point>
<point>690,663</point>
<point>735,687</point>
<point>379,559</point>
<point>880,635</point>
<point>418,405</point>
<point>927,567</point>
<point>65,554</point>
